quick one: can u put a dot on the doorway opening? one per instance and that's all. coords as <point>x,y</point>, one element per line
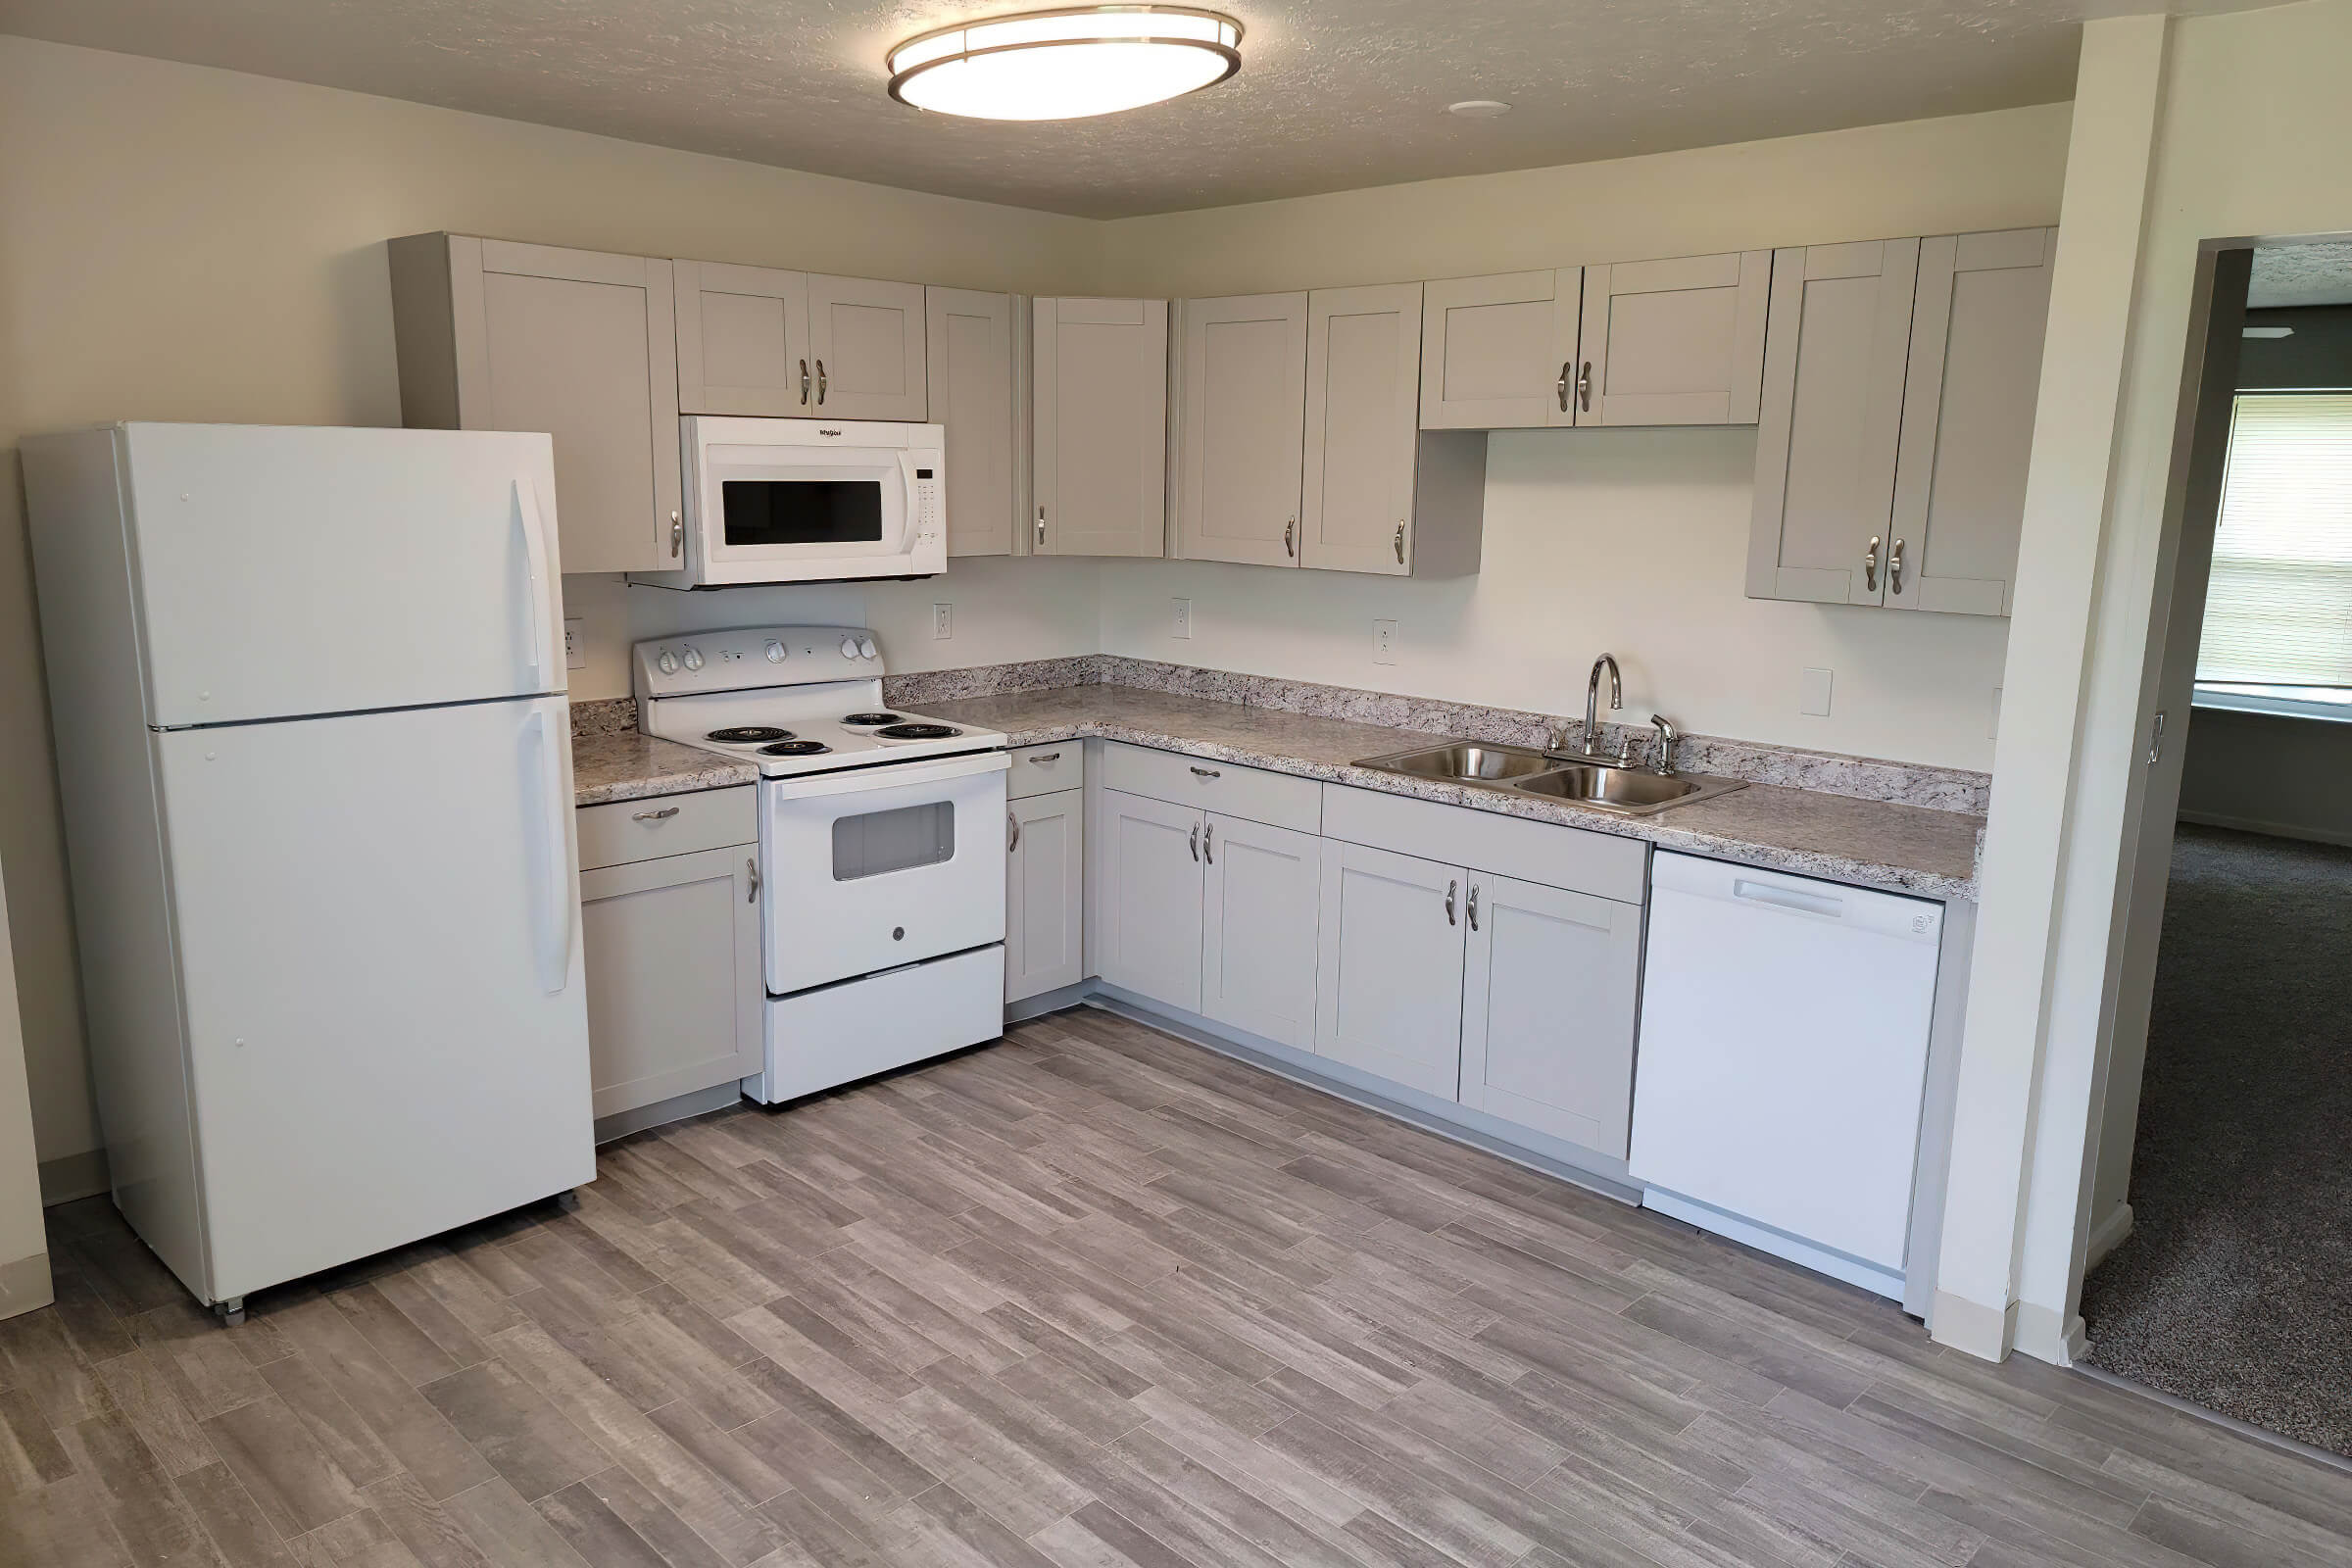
<point>2222,1214</point>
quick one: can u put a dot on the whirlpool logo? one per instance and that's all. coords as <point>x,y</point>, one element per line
<point>821,430</point>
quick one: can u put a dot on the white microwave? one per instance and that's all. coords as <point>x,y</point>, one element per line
<point>807,501</point>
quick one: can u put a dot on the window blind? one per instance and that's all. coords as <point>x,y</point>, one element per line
<point>2279,607</point>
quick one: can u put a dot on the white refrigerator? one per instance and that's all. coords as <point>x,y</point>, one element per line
<point>307,686</point>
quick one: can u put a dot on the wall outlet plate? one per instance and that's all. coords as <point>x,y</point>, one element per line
<point>1384,642</point>
<point>943,621</point>
<point>1813,696</point>
<point>575,642</point>
<point>1181,620</point>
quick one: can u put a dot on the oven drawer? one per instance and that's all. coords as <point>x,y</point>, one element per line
<point>666,824</point>
<point>1043,769</point>
<point>1278,799</point>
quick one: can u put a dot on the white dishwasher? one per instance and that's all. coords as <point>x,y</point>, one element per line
<point>1782,1063</point>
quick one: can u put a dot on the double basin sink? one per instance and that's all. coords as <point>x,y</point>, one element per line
<point>1517,770</point>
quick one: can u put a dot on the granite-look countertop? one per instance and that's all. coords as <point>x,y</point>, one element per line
<point>1906,848</point>
<point>629,766</point>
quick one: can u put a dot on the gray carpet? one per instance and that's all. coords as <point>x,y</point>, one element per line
<point>2235,1290</point>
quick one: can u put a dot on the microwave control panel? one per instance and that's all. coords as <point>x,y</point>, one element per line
<point>926,502</point>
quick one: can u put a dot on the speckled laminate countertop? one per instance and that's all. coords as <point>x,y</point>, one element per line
<point>1906,848</point>
<point>629,766</point>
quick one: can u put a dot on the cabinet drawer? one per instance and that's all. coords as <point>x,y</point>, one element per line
<point>1043,769</point>
<point>1279,799</point>
<point>667,824</point>
<point>1546,853</point>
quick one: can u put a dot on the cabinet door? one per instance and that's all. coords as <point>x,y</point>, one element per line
<point>867,339</point>
<point>1363,389</point>
<point>743,340</point>
<point>1101,428</point>
<point>970,364</point>
<point>672,952</point>
<point>1389,986</point>
<point>1149,898</point>
<point>1243,369</point>
<point>1968,419</point>
<point>1263,889</point>
<point>1674,342</point>
<point>1547,1010</point>
<point>1835,351</point>
<point>579,344</point>
<point>1044,893</point>
<point>1497,353</point>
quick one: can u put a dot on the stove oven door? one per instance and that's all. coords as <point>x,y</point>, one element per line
<point>876,867</point>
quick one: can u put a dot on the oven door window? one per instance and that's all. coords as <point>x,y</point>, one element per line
<point>900,840</point>
<point>802,511</point>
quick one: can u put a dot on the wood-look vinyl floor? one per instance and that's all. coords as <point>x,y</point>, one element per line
<point>1090,1298</point>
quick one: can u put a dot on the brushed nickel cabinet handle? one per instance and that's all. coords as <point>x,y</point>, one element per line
<point>1584,387</point>
<point>820,383</point>
<point>1050,756</point>
<point>677,535</point>
<point>1290,534</point>
<point>1207,772</point>
<point>1041,527</point>
<point>1894,568</point>
<point>1473,905</point>
<point>1870,567</point>
<point>803,384</point>
<point>1565,367</point>
<point>1013,832</point>
<point>663,815</point>
<point>1196,842</point>
<point>1400,544</point>
<point>1208,844</point>
<point>1450,889</point>
<point>751,863</point>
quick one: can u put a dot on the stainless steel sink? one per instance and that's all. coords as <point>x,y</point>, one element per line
<point>1628,790</point>
<point>1464,762</point>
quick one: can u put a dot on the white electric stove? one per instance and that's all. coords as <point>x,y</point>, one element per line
<point>881,861</point>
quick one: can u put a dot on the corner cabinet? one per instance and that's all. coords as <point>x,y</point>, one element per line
<point>494,335</point>
<point>669,932</point>
<point>978,397</point>
<point>1899,390</point>
<point>1100,427</point>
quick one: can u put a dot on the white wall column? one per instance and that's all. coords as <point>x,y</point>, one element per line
<point>2011,992</point>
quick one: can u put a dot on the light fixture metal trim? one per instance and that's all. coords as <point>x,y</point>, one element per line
<point>1223,43</point>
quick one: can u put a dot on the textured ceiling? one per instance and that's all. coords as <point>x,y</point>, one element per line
<point>1333,94</point>
<point>2301,275</point>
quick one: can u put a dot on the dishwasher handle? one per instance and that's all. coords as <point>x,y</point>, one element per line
<point>1780,898</point>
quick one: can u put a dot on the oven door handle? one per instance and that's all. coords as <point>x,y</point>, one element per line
<point>889,776</point>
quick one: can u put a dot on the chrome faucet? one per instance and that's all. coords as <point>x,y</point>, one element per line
<point>1593,701</point>
<point>1661,760</point>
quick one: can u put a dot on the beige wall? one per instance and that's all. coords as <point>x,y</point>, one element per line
<point>181,243</point>
<point>1629,540</point>
<point>2269,774</point>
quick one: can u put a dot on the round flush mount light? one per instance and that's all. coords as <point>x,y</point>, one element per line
<point>1479,109</point>
<point>1065,64</point>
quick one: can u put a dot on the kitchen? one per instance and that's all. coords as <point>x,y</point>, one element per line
<point>1639,540</point>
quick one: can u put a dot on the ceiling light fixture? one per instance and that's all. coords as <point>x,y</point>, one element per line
<point>1479,108</point>
<point>1065,64</point>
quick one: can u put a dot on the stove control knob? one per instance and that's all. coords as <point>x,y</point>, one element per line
<point>849,648</point>
<point>668,663</point>
<point>694,658</point>
<point>865,648</point>
<point>775,653</point>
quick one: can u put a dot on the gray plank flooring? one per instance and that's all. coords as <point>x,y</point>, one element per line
<point>1092,1298</point>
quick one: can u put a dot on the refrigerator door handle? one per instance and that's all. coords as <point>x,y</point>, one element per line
<point>534,551</point>
<point>556,918</point>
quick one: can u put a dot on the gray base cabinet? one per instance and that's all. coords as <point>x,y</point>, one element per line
<point>1392,967</point>
<point>1044,867</point>
<point>1147,909</point>
<point>1261,892</point>
<point>671,949</point>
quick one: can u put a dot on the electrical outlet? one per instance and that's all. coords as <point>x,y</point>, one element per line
<point>1384,642</point>
<point>1181,623</point>
<point>1814,694</point>
<point>575,642</point>
<point>942,624</point>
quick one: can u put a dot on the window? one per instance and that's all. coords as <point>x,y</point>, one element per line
<point>2279,613</point>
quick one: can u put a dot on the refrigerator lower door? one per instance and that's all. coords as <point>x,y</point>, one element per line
<point>286,571</point>
<point>377,935</point>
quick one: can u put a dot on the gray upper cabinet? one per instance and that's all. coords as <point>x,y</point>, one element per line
<point>866,340</point>
<point>1379,494</point>
<point>1495,352</point>
<point>743,340</point>
<point>1968,419</point>
<point>1673,342</point>
<point>494,335</point>
<point>1099,401</point>
<point>977,397</point>
<point>1834,352</point>
<point>1242,370</point>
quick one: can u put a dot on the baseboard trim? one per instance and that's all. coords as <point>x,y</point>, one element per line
<point>69,1177</point>
<point>1875,1278</point>
<point>2048,1335</point>
<point>2275,830</point>
<point>26,1284</point>
<point>2107,1235</point>
<point>662,1112</point>
<point>1989,1333</point>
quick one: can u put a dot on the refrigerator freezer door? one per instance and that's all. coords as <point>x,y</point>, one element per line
<point>290,570</point>
<point>372,911</point>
